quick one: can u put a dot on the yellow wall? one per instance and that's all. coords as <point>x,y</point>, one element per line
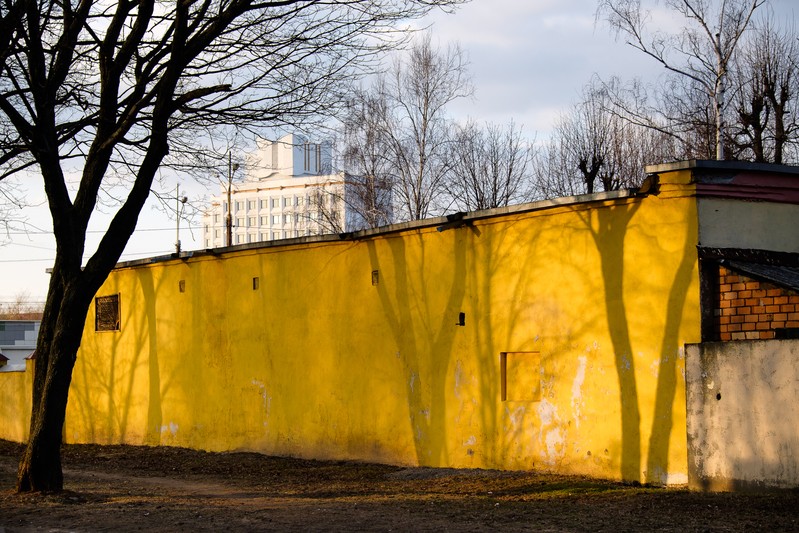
<point>15,403</point>
<point>319,362</point>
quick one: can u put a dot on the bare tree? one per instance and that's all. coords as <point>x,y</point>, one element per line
<point>491,166</point>
<point>365,154</point>
<point>594,148</point>
<point>21,308</point>
<point>411,128</point>
<point>767,83</point>
<point>113,90</point>
<point>701,51</point>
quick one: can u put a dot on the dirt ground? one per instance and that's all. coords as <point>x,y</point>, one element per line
<point>128,488</point>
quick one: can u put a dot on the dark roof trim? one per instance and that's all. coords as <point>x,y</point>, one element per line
<point>780,268</point>
<point>739,180</point>
<point>725,166</point>
<point>766,257</point>
<point>783,276</point>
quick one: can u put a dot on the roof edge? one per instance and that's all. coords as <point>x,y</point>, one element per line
<point>442,223</point>
<point>711,164</point>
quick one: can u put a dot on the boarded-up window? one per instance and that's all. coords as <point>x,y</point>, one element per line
<point>106,313</point>
<point>520,374</point>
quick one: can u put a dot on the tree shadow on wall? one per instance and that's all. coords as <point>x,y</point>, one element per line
<point>608,236</point>
<point>608,227</point>
<point>424,330</point>
<point>103,395</point>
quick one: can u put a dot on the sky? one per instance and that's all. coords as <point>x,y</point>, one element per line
<point>529,60</point>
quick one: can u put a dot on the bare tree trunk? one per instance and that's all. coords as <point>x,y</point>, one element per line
<point>718,100</point>
<point>57,346</point>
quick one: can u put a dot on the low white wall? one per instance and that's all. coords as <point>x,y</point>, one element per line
<point>743,414</point>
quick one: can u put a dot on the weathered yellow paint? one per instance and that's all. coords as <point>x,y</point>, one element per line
<point>319,362</point>
<point>15,403</point>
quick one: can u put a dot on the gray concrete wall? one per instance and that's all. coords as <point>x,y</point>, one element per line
<point>731,223</point>
<point>743,414</point>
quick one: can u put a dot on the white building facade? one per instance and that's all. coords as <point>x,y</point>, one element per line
<point>290,191</point>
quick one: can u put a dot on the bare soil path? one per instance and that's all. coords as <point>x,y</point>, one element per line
<point>127,488</point>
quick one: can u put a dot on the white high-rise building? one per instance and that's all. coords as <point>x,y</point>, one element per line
<point>290,191</point>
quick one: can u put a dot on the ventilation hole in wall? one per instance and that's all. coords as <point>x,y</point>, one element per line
<point>182,285</point>
<point>461,319</point>
<point>256,283</point>
<point>718,396</point>
<point>375,277</point>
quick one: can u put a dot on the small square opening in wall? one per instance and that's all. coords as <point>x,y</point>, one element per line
<point>106,313</point>
<point>182,285</point>
<point>520,375</point>
<point>375,277</point>
<point>256,283</point>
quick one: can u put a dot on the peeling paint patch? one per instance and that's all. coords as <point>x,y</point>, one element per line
<point>265,399</point>
<point>551,434</point>
<point>262,391</point>
<point>458,378</point>
<point>626,363</point>
<point>516,416</point>
<point>654,368</point>
<point>172,428</point>
<point>676,479</point>
<point>577,385</point>
<point>470,441</point>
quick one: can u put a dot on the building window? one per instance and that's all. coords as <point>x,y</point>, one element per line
<point>275,202</point>
<point>251,205</point>
<point>275,219</point>
<point>297,201</point>
<point>286,202</point>
<point>216,233</point>
<point>287,219</point>
<point>239,206</point>
<point>264,221</point>
<point>250,238</point>
<point>106,313</point>
<point>275,235</point>
<point>216,218</point>
<point>251,222</point>
<point>264,204</point>
<point>238,239</point>
<point>240,222</point>
<point>264,236</point>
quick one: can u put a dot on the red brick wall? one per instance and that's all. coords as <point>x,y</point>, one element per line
<point>748,309</point>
